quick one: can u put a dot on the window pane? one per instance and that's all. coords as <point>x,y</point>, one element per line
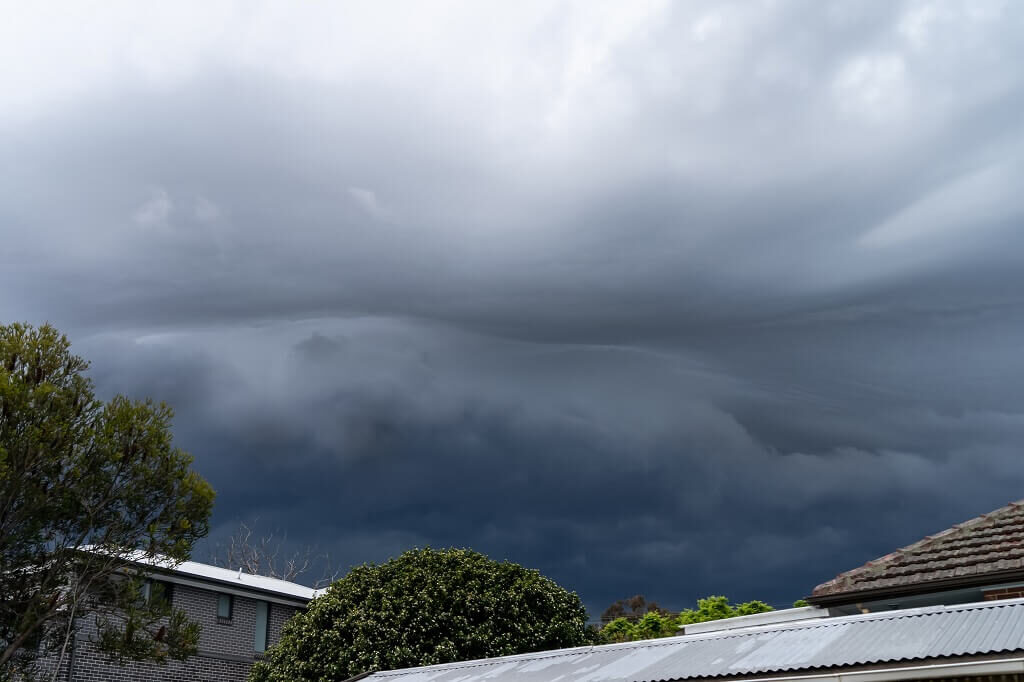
<point>164,591</point>
<point>224,606</point>
<point>262,620</point>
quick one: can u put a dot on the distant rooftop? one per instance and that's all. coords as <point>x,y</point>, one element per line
<point>227,577</point>
<point>986,549</point>
<point>932,635</point>
<point>245,580</point>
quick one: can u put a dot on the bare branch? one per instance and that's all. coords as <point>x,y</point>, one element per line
<point>268,554</point>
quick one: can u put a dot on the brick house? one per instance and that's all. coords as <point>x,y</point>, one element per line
<point>241,615</point>
<point>977,560</point>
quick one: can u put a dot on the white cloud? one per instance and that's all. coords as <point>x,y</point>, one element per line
<point>874,87</point>
<point>368,202</point>
<point>917,24</point>
<point>706,27</point>
<point>205,210</point>
<point>155,211</point>
<point>971,203</point>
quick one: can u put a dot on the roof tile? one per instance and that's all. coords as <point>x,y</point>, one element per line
<point>989,543</point>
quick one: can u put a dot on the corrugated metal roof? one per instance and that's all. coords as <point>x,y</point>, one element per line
<point>908,635</point>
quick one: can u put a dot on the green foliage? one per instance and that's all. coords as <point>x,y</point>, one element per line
<point>800,602</point>
<point>718,607</point>
<point>427,606</point>
<point>656,624</point>
<point>76,473</point>
<point>144,628</point>
<point>653,625</point>
<point>619,630</point>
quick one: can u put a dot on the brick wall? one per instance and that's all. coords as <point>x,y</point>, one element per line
<point>92,666</point>
<point>1005,593</point>
<point>279,615</point>
<point>234,636</point>
<point>225,646</point>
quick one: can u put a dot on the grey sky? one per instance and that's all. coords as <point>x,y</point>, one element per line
<point>672,298</point>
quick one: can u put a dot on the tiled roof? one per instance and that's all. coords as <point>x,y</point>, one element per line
<point>989,545</point>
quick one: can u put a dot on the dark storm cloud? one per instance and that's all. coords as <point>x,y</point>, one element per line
<point>675,299</point>
<point>609,467</point>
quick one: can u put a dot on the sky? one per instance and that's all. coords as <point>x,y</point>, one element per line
<point>670,298</point>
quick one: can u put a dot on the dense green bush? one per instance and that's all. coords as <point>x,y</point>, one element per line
<point>427,606</point>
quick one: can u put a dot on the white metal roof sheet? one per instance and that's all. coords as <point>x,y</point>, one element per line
<point>227,576</point>
<point>244,580</point>
<point>892,636</point>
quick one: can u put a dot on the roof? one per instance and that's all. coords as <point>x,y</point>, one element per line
<point>989,547</point>
<point>235,579</point>
<point>865,639</point>
<point>774,617</point>
<point>240,579</point>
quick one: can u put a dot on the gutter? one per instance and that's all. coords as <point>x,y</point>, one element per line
<point>938,670</point>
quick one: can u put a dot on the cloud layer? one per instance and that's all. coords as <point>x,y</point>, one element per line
<point>673,299</point>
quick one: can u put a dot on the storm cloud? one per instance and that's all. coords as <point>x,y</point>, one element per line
<point>666,298</point>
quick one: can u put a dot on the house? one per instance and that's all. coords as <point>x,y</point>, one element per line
<point>981,559</point>
<point>241,615</point>
<point>980,641</point>
<point>949,607</point>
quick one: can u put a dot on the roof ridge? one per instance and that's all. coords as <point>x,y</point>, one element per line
<point>956,530</point>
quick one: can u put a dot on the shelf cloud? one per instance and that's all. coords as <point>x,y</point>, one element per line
<point>659,298</point>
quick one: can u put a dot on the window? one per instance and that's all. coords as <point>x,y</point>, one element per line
<point>262,621</point>
<point>155,589</point>
<point>224,604</point>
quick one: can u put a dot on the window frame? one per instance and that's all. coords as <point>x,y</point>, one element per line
<point>230,598</point>
<point>166,590</point>
<point>261,638</point>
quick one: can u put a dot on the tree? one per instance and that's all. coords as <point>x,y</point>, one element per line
<point>266,553</point>
<point>718,607</point>
<point>659,623</point>
<point>86,488</point>
<point>427,606</point>
<point>631,609</point>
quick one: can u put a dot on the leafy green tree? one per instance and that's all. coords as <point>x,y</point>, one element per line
<point>620,629</point>
<point>718,607</point>
<point>427,606</point>
<point>657,624</point>
<point>86,487</point>
<point>653,625</point>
